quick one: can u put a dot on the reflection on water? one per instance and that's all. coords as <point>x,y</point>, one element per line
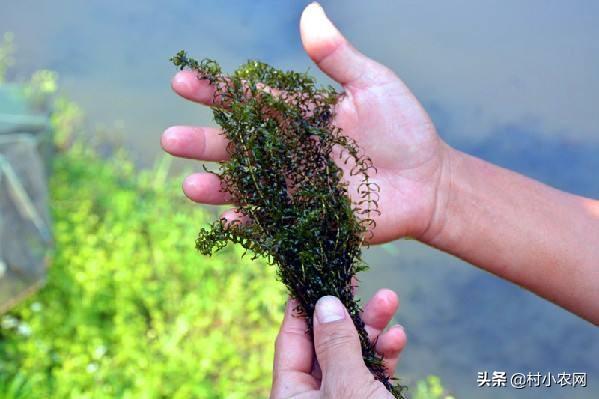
<point>515,83</point>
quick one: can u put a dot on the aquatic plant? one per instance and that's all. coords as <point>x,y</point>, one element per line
<point>292,199</point>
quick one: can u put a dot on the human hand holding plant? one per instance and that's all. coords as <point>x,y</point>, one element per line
<point>377,110</point>
<point>332,365</point>
<point>505,223</point>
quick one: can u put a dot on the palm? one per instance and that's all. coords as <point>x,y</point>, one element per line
<point>391,128</point>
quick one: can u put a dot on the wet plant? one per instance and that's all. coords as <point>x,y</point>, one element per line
<point>292,197</point>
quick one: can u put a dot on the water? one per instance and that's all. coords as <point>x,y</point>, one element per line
<point>513,82</point>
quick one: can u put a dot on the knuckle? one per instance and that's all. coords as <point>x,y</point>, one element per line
<point>279,340</point>
<point>364,386</point>
<point>287,334</point>
<point>338,390</point>
<point>374,390</point>
<point>333,340</point>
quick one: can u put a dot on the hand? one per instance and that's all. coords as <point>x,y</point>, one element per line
<point>377,110</point>
<point>336,370</point>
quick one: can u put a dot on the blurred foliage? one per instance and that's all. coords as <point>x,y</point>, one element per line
<point>66,119</point>
<point>431,388</point>
<point>40,88</point>
<point>16,387</point>
<point>130,309</point>
<point>6,54</point>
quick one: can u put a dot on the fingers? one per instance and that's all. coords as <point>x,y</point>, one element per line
<point>293,347</point>
<point>293,356</point>
<point>389,345</point>
<point>379,311</point>
<point>234,215</point>
<point>201,143</point>
<point>187,85</point>
<point>377,314</point>
<point>205,188</point>
<point>336,340</point>
<point>339,353</point>
<point>334,55</point>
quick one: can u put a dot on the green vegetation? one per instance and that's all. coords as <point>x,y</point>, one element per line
<point>130,311</point>
<point>431,388</point>
<point>289,192</point>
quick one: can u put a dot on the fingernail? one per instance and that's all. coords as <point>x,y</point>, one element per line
<point>190,184</point>
<point>318,13</point>
<point>169,138</point>
<point>329,309</point>
<point>180,82</point>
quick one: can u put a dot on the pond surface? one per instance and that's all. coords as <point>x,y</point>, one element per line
<point>514,82</point>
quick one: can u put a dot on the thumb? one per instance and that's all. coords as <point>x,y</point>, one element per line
<point>336,341</point>
<point>334,55</point>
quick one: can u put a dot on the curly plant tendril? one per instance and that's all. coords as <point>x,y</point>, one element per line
<point>289,191</point>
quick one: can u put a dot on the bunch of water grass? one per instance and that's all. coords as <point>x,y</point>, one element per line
<point>290,193</point>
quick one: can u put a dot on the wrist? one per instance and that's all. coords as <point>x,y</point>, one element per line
<point>446,198</point>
